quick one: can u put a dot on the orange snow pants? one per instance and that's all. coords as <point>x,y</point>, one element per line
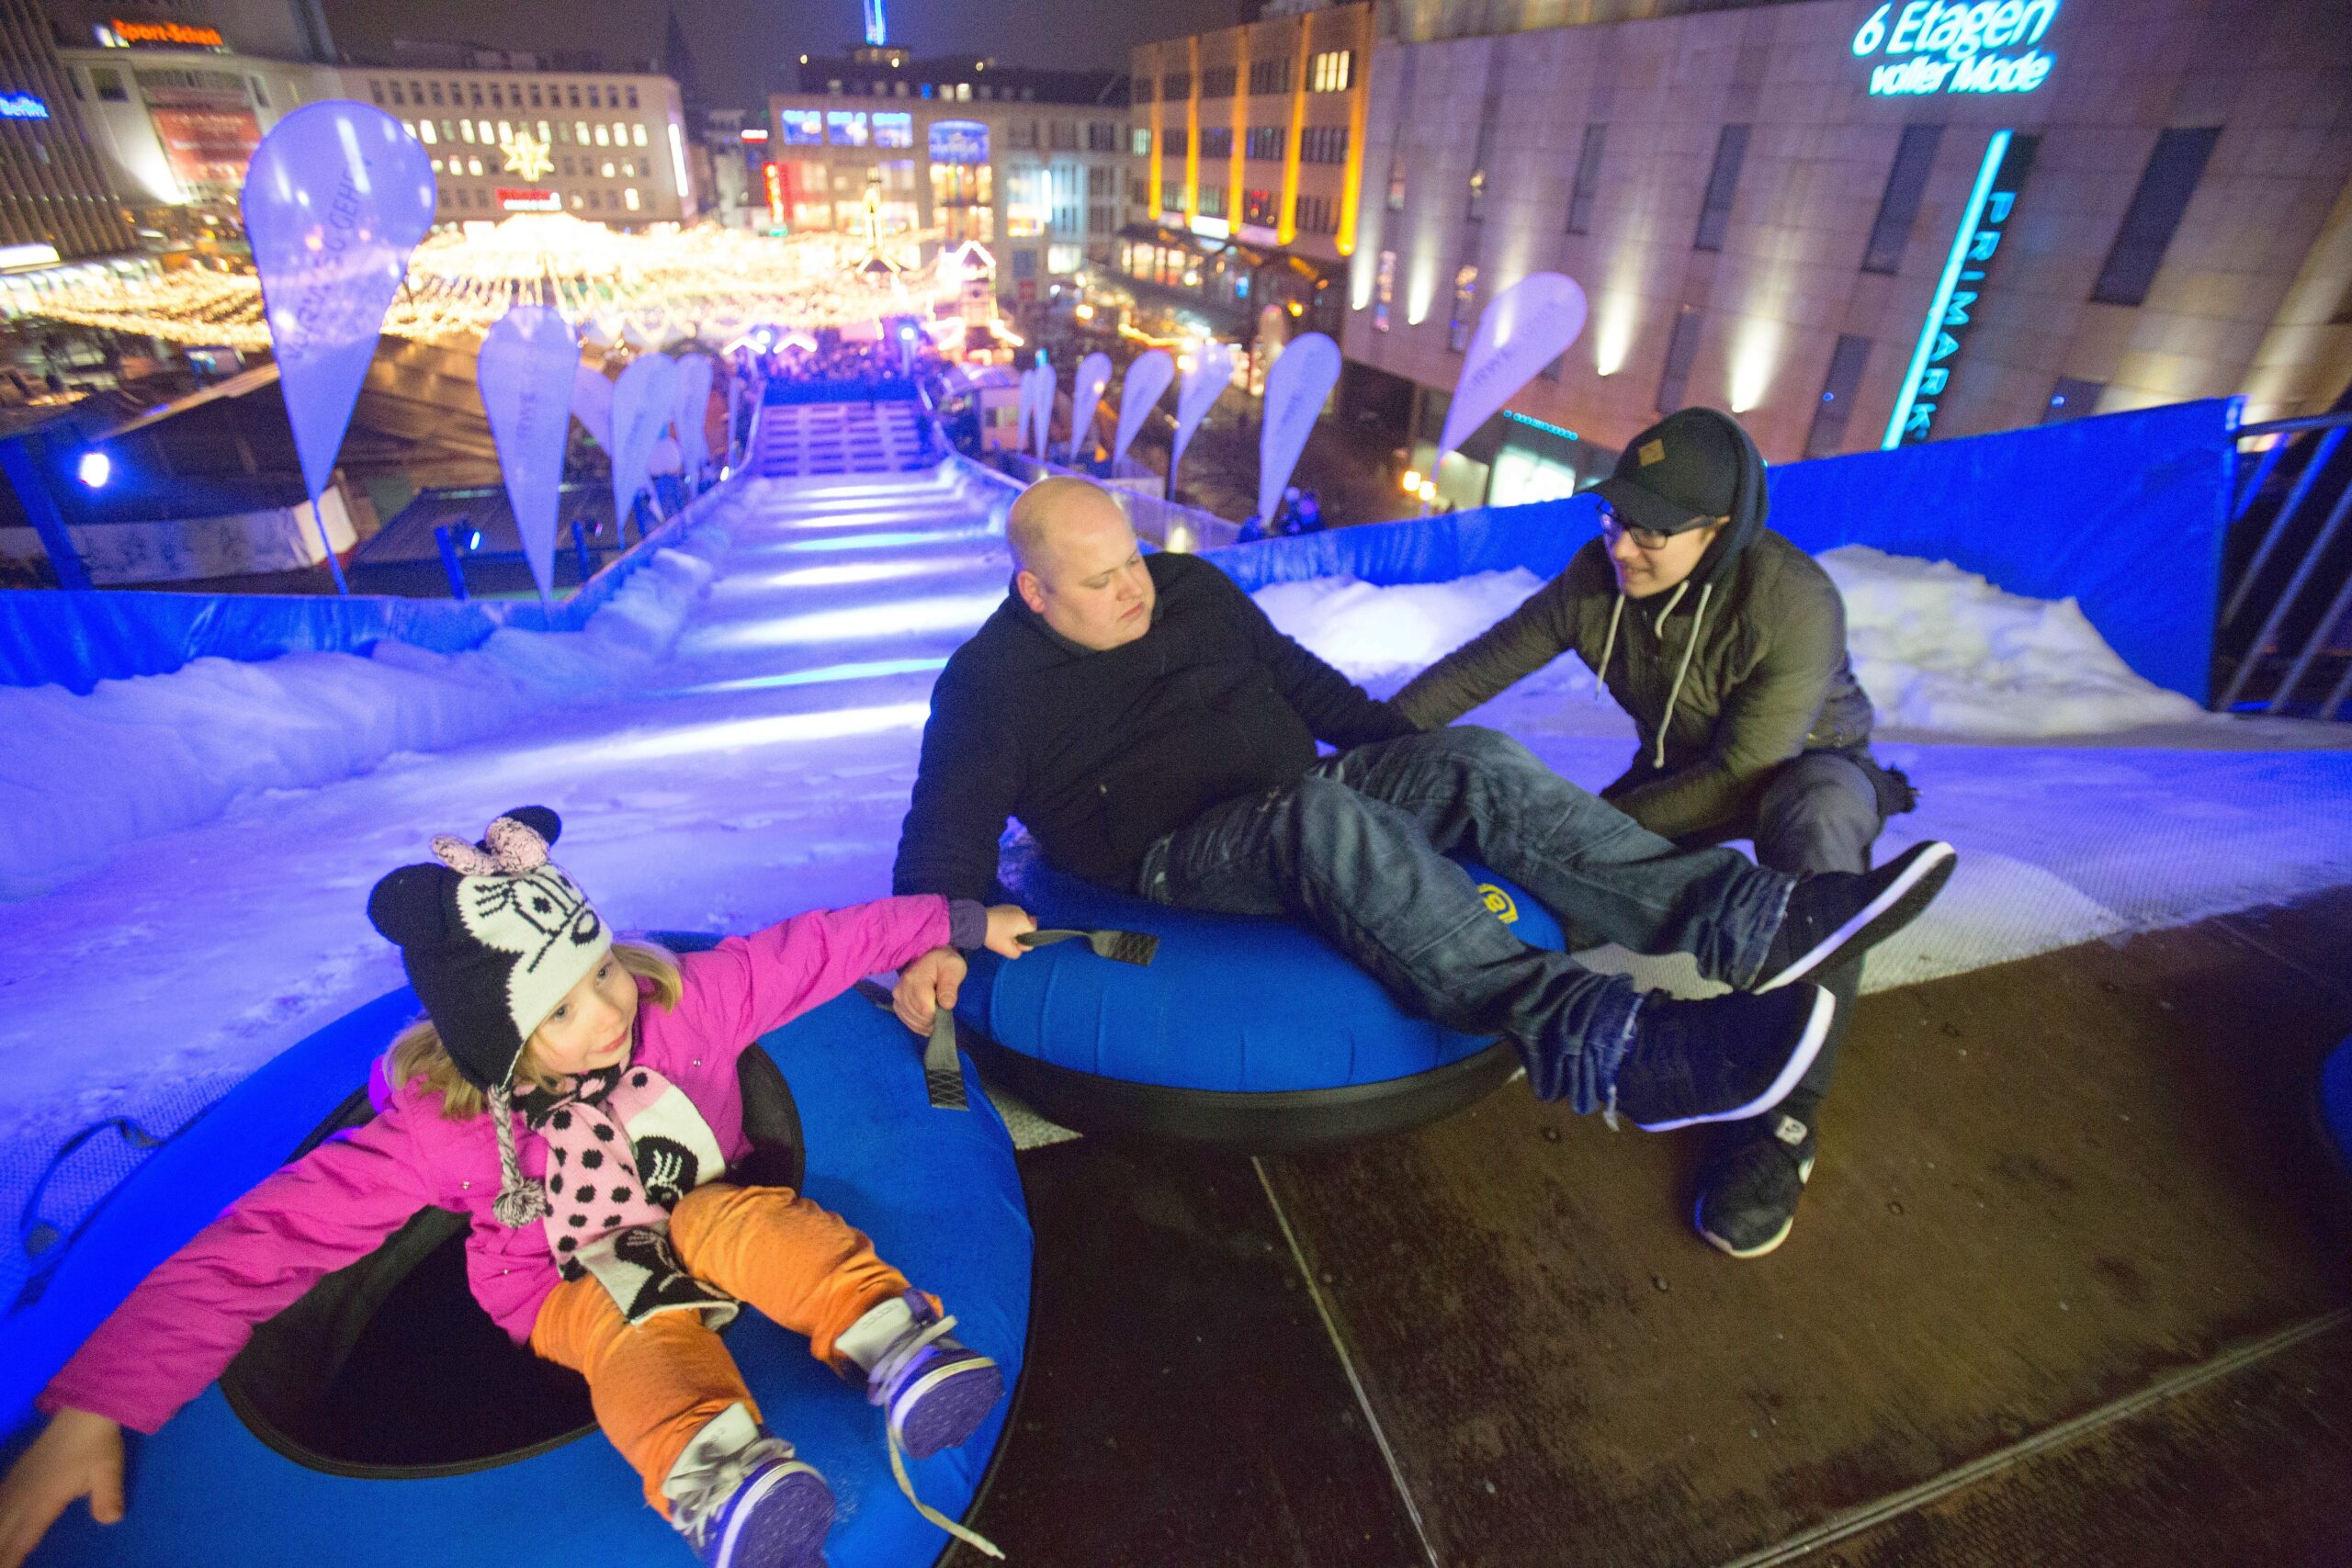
<point>655,1384</point>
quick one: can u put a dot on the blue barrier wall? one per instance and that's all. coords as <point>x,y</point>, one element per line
<point>76,639</point>
<point>2123,512</point>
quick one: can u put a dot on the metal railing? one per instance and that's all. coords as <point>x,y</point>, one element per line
<point>2285,626</point>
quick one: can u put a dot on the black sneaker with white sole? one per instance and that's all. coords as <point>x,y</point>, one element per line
<point>1720,1058</point>
<point>1748,1192</point>
<point>1835,916</point>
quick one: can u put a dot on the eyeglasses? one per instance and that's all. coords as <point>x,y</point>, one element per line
<point>1612,528</point>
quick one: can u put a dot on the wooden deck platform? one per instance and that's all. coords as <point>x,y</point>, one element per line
<point>2069,1287</point>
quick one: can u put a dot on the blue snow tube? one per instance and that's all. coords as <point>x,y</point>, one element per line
<point>2336,1103</point>
<point>384,1418</point>
<point>1244,1030</point>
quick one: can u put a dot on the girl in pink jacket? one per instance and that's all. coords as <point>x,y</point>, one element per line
<point>577,1097</point>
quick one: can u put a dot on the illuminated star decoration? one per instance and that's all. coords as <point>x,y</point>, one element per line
<point>526,155</point>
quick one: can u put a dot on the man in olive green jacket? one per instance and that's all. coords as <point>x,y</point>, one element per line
<point>1727,645</point>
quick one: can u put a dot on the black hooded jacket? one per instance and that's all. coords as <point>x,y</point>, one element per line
<point>1738,670</point>
<point>1100,754</point>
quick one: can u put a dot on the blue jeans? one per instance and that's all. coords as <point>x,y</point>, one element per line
<point>1819,814</point>
<point>1357,850</point>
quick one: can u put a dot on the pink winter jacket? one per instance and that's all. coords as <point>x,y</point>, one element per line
<point>188,1319</point>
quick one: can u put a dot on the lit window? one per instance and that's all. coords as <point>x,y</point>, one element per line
<point>481,133</point>
<point>629,196</point>
<point>473,166</point>
<point>1333,72</point>
<point>608,168</point>
<point>604,136</point>
<point>425,132</point>
<point>506,131</point>
<point>581,128</point>
<point>636,134</point>
<point>620,135</point>
<point>1465,310</point>
<point>466,129</point>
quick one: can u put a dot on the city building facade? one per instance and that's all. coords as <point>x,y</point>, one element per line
<point>520,133</point>
<point>56,202</point>
<point>1856,223</point>
<point>1248,148</point>
<point>1028,164</point>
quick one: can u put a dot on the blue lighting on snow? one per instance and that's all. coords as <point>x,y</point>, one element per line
<point>871,669</point>
<point>95,469</point>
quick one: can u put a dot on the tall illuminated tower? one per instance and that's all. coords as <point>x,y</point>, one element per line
<point>877,27</point>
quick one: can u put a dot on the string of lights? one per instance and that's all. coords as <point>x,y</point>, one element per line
<point>633,291</point>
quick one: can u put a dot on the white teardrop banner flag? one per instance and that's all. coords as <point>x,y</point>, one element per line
<point>525,376</point>
<point>591,404</point>
<point>337,197</point>
<point>643,399</point>
<point>1042,411</point>
<point>1086,396</point>
<point>1523,329</point>
<point>1145,383</point>
<point>694,413</point>
<point>1027,416</point>
<point>1295,389</point>
<point>1204,382</point>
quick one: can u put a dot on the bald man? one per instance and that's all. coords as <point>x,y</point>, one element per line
<point>1157,735</point>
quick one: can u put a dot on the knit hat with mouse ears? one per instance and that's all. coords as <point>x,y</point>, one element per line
<point>493,937</point>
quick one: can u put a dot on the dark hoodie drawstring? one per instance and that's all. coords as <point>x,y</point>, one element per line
<point>1690,646</point>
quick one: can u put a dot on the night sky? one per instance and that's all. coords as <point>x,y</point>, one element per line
<point>740,47</point>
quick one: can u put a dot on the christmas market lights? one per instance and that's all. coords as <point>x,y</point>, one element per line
<point>637,290</point>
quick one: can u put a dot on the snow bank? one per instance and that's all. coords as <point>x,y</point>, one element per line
<point>83,774</point>
<point>1943,650</point>
<point>1367,632</point>
<point>1939,650</point>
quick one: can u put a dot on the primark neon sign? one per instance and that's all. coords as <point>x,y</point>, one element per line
<point>1961,290</point>
<point>1934,47</point>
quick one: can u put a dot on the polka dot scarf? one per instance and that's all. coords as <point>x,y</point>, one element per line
<point>624,1145</point>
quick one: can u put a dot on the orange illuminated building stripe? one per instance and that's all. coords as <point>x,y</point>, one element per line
<point>1234,206</point>
<point>1288,212</point>
<point>1351,176</point>
<point>1158,137</point>
<point>1192,129</point>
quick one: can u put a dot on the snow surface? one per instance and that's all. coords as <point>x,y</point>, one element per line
<point>2153,813</point>
<point>743,749</point>
<point>135,757</point>
<point>1938,648</point>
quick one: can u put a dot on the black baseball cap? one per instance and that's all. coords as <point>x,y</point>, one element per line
<point>1682,473</point>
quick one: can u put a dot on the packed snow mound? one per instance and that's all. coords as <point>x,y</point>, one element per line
<point>1366,632</point>
<point>1943,650</point>
<point>82,774</point>
<point>1939,650</point>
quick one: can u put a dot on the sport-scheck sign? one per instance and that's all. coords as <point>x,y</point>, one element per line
<point>1935,47</point>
